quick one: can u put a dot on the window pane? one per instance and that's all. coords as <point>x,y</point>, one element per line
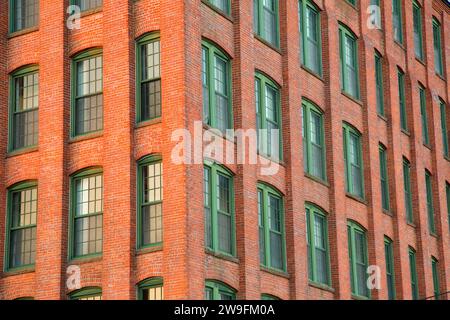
<point>221,92</point>
<point>150,81</point>
<point>269,22</point>
<point>152,206</point>
<point>224,214</point>
<point>26,14</point>
<point>153,293</point>
<point>88,4</point>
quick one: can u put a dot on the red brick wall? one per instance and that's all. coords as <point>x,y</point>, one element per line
<point>182,260</point>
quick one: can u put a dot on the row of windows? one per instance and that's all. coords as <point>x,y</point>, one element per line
<point>87,229</point>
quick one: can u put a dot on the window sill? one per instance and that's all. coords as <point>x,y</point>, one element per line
<point>447,158</point>
<point>222,256</point>
<point>356,297</point>
<point>86,259</point>
<point>356,100</point>
<point>275,272</point>
<point>434,235</point>
<point>19,152</point>
<point>388,213</point>
<point>278,161</point>
<point>318,180</point>
<point>18,271</point>
<point>149,249</point>
<point>411,224</point>
<point>321,286</point>
<point>22,32</point>
<point>440,77</point>
<point>270,45</point>
<point>215,131</point>
<point>311,72</point>
<point>218,11</point>
<point>420,61</point>
<point>356,198</point>
<point>427,146</point>
<point>352,5</point>
<point>382,117</point>
<point>86,136</point>
<point>90,12</point>
<point>406,132</point>
<point>147,123</point>
<point>401,46</point>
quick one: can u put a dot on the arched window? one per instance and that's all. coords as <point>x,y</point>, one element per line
<point>151,289</point>
<point>218,194</point>
<point>88,293</point>
<point>318,246</point>
<point>21,224</point>
<point>216,290</point>
<point>86,213</point>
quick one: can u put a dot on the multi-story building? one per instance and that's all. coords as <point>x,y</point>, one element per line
<point>93,205</point>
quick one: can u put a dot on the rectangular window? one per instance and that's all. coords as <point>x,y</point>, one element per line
<point>357,248</point>
<point>447,194</point>
<point>151,289</point>
<point>310,47</point>
<point>437,45</point>
<point>423,115</point>
<point>407,188</point>
<point>317,242</point>
<point>222,5</point>
<point>430,208</point>
<point>271,228</point>
<point>24,109</point>
<point>401,100</point>
<point>435,270</point>
<point>445,143</point>
<point>87,213</point>
<point>268,117</point>
<point>149,78</point>
<point>313,141</point>
<point>384,178</point>
<point>389,256</point>
<point>219,209</point>
<point>150,197</point>
<point>88,91</point>
<point>397,20</point>
<point>417,21</point>
<point>349,62</point>
<point>379,83</point>
<point>265,20</point>
<point>22,216</point>
<point>413,271</point>
<point>88,4</point>
<point>24,14</point>
<point>216,81</point>
<point>353,162</point>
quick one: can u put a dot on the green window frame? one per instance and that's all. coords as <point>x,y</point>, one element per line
<point>223,5</point>
<point>352,2</point>
<point>216,84</point>
<point>430,207</point>
<point>151,289</point>
<point>318,245</point>
<point>401,99</point>
<point>384,180</point>
<point>24,108</point>
<point>268,117</point>
<point>379,83</point>
<point>216,290</point>
<point>358,258</point>
<point>413,273</point>
<point>266,21</point>
<point>23,14</point>
<point>418,30</point>
<point>423,115</point>
<point>87,293</point>
<point>313,134</point>
<point>219,210</point>
<point>86,210</point>
<point>150,201</point>
<point>310,36</point>
<point>348,51</point>
<point>266,296</point>
<point>354,167</point>
<point>272,245</point>
<point>87,93</point>
<point>445,142</point>
<point>435,271</point>
<point>437,47</point>
<point>390,270</point>
<point>22,209</point>
<point>407,188</point>
<point>148,77</point>
<point>447,195</point>
<point>397,21</point>
<point>86,5</point>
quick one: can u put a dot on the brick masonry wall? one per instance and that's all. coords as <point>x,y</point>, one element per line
<point>182,260</point>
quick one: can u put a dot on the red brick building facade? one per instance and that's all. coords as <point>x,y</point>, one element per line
<point>180,260</point>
